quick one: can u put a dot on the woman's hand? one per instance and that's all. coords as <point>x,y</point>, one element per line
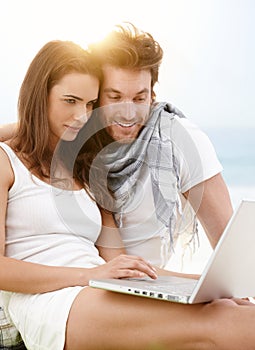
<point>124,266</point>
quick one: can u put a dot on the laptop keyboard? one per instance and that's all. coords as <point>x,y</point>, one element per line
<point>173,286</point>
<point>176,289</point>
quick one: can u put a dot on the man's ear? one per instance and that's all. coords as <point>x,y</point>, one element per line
<point>153,96</point>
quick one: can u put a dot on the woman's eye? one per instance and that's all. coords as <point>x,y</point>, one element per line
<point>90,105</point>
<point>70,100</point>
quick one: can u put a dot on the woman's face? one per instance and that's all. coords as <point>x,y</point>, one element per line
<point>71,102</point>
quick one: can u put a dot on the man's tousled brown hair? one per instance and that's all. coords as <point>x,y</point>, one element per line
<point>128,47</point>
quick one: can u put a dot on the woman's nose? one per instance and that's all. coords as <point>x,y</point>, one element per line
<point>83,117</point>
<point>83,114</point>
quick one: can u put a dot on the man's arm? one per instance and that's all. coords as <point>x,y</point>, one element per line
<point>109,243</point>
<point>211,201</point>
<point>7,131</point>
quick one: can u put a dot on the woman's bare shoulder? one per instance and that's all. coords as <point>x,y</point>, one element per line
<point>7,175</point>
<point>7,131</point>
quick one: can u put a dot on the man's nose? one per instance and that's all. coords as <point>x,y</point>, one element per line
<point>128,110</point>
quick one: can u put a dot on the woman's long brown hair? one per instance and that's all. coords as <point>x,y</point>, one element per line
<point>55,59</point>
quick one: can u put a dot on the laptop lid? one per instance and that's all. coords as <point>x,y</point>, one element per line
<point>227,273</point>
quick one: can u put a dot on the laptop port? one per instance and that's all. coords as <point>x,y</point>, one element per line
<point>160,295</point>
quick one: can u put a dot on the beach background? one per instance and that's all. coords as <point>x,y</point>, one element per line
<point>208,68</point>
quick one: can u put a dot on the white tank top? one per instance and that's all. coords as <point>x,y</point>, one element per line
<point>48,225</point>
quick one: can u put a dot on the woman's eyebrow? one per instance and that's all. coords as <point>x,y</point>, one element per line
<point>73,96</point>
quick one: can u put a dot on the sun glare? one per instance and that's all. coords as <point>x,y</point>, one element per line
<point>98,33</point>
<point>104,16</point>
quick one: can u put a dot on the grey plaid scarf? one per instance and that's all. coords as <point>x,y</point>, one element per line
<point>153,147</point>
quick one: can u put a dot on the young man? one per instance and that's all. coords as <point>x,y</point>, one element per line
<point>161,162</point>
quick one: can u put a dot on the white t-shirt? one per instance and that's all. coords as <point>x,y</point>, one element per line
<point>142,233</point>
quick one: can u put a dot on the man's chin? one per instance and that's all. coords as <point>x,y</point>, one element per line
<point>126,140</point>
<point>124,136</point>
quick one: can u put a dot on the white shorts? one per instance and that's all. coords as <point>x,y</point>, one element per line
<point>41,318</point>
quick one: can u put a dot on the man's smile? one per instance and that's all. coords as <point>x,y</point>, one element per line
<point>124,125</point>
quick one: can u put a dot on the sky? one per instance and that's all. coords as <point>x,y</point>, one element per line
<point>208,68</point>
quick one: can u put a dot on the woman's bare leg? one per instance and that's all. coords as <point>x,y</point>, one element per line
<point>107,321</point>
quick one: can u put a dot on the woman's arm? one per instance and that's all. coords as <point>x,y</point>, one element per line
<point>26,277</point>
<point>7,131</point>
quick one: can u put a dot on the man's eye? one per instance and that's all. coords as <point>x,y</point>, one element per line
<point>114,97</point>
<point>140,99</point>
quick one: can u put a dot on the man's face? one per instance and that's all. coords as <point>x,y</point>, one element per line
<point>125,99</point>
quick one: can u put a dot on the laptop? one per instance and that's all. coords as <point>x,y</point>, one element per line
<point>230,271</point>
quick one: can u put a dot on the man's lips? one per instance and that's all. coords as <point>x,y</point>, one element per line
<point>125,125</point>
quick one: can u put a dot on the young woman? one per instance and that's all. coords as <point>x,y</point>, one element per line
<point>47,217</point>
<point>50,224</point>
